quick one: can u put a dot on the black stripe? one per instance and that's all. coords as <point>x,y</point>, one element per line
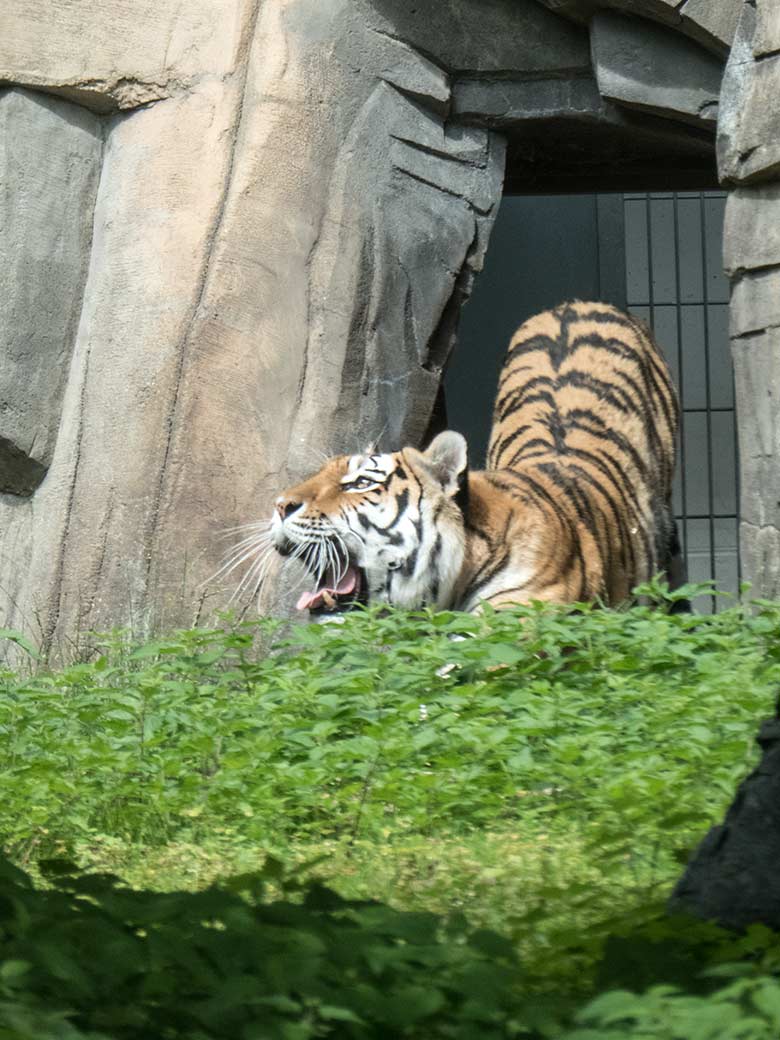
<point>621,520</point>
<point>508,402</point>
<point>498,447</point>
<point>607,316</point>
<point>401,505</point>
<point>564,483</point>
<point>544,343</point>
<point>576,417</point>
<point>604,391</point>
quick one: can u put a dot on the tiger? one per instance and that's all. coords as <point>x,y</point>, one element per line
<point>574,505</point>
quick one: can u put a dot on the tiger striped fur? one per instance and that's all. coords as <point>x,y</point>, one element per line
<point>575,504</point>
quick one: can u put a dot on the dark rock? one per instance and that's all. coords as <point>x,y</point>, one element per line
<point>489,36</point>
<point>655,69</point>
<point>709,22</point>
<point>734,876</point>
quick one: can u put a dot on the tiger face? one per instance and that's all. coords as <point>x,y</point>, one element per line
<point>378,528</point>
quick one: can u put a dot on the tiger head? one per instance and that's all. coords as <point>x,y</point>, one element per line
<point>379,528</point>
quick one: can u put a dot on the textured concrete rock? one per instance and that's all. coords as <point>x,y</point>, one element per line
<point>733,877</point>
<point>733,89</point>
<point>758,142</point>
<point>489,36</point>
<point>109,54</point>
<point>751,229</point>
<point>50,154</point>
<point>420,207</point>
<point>710,22</point>
<point>755,301</point>
<point>653,68</point>
<point>749,121</point>
<point>505,103</point>
<point>757,390</point>
<point>249,305</point>
<point>91,517</point>
<point>757,385</point>
<point>767,37</point>
<point>760,557</point>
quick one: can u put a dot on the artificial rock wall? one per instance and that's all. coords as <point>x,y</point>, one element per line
<point>749,164</point>
<point>237,235</point>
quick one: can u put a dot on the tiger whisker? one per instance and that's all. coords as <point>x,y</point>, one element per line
<point>236,558</point>
<point>259,539</point>
<point>258,568</point>
<point>253,525</point>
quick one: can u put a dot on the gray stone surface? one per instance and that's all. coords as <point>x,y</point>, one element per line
<point>751,229</point>
<point>732,95</point>
<point>421,203</point>
<point>111,54</point>
<point>733,877</point>
<point>755,301</point>
<point>488,36</point>
<point>758,142</point>
<point>709,22</point>
<point>49,169</point>
<point>757,390</point>
<point>712,21</point>
<point>767,38</point>
<point>749,122</point>
<point>505,103</point>
<point>654,69</point>
<point>757,384</point>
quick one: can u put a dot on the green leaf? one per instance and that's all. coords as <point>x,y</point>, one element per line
<point>21,641</point>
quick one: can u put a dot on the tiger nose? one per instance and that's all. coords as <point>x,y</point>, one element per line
<point>287,506</point>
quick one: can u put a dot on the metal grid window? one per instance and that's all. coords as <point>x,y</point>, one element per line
<point>675,281</point>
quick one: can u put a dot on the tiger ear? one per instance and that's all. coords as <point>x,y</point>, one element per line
<point>447,459</point>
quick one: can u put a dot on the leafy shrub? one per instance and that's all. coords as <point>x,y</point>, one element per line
<point>88,960</point>
<point>633,727</point>
<point>595,744</point>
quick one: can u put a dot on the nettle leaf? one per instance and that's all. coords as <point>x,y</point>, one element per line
<point>766,998</point>
<point>617,1006</point>
<point>21,641</point>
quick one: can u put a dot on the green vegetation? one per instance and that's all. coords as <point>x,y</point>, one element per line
<point>497,819</point>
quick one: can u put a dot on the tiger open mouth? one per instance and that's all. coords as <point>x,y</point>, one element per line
<point>334,592</point>
<point>341,586</point>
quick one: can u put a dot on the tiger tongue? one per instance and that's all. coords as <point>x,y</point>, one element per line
<point>313,600</point>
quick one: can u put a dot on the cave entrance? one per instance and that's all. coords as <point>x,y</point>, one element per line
<point>657,254</point>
